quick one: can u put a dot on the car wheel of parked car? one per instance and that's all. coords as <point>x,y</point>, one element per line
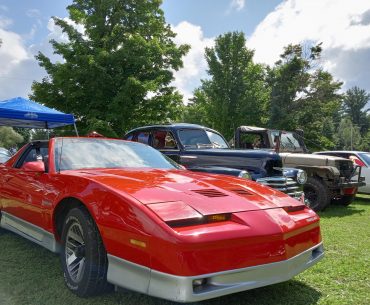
<point>344,200</point>
<point>316,194</point>
<point>83,256</point>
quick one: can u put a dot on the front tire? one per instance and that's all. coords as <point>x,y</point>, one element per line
<point>316,194</point>
<point>83,257</point>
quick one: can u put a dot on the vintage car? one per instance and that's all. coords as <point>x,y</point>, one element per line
<point>122,214</point>
<point>203,149</point>
<point>4,155</point>
<point>331,179</point>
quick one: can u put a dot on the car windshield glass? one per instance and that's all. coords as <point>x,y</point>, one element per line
<point>216,140</point>
<point>82,153</point>
<point>289,141</point>
<point>365,157</point>
<point>199,138</point>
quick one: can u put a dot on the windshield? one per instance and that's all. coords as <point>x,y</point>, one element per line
<point>289,141</point>
<point>365,157</point>
<point>4,155</point>
<point>199,138</point>
<point>81,153</point>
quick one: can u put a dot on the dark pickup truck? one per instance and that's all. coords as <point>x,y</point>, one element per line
<point>202,149</point>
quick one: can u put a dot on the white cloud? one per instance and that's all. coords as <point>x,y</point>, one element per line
<point>236,5</point>
<point>343,27</point>
<point>195,65</point>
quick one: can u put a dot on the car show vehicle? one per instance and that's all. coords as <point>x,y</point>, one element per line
<point>203,149</point>
<point>4,155</point>
<point>121,214</point>
<point>359,158</point>
<point>331,179</point>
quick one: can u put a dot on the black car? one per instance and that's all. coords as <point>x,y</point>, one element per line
<point>199,148</point>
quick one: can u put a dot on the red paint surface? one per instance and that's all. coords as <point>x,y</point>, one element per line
<point>135,203</point>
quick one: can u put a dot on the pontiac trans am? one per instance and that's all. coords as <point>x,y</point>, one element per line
<point>122,214</point>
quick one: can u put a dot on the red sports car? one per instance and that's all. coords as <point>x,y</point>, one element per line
<point>120,213</point>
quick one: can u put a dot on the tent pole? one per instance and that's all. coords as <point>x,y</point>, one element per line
<point>74,124</point>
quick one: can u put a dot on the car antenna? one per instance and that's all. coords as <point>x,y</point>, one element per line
<point>60,157</point>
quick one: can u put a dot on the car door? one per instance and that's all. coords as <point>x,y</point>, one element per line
<point>23,191</point>
<point>365,172</point>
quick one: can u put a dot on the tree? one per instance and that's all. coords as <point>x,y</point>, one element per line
<point>304,96</point>
<point>116,72</point>
<point>9,138</point>
<point>236,93</point>
<point>348,136</point>
<point>354,102</point>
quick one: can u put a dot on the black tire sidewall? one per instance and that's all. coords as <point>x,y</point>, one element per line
<point>76,215</point>
<point>321,191</point>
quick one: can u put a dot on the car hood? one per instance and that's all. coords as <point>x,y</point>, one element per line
<point>309,159</point>
<point>206,193</point>
<point>260,153</point>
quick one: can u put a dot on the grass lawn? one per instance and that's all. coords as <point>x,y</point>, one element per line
<point>30,274</point>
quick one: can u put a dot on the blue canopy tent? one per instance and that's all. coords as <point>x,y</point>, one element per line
<point>20,112</point>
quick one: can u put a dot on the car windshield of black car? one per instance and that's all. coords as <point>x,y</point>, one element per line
<point>198,138</point>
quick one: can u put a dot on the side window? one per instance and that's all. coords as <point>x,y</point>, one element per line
<point>129,137</point>
<point>164,140</point>
<point>143,137</point>
<point>33,154</point>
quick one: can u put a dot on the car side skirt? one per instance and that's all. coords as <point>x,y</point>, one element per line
<point>29,231</point>
<point>125,274</point>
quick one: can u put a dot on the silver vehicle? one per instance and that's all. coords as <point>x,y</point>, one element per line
<point>4,155</point>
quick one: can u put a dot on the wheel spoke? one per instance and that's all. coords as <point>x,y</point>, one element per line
<point>75,252</point>
<point>81,265</point>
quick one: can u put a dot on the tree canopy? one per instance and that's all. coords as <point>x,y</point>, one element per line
<point>9,138</point>
<point>236,91</point>
<point>116,66</point>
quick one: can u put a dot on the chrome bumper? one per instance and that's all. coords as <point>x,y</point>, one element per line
<point>283,184</point>
<point>180,288</point>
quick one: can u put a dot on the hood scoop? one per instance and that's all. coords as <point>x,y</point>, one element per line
<point>241,192</point>
<point>210,193</point>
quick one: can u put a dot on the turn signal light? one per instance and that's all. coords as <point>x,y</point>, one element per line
<point>218,217</point>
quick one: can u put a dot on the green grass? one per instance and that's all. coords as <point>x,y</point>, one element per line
<point>30,274</point>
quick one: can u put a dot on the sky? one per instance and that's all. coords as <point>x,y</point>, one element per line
<point>342,26</point>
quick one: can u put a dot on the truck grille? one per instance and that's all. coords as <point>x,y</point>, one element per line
<point>282,184</point>
<point>346,169</point>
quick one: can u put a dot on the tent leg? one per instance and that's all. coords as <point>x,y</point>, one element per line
<point>74,124</point>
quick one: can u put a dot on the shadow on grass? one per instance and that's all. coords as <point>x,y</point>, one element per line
<point>340,211</point>
<point>362,199</point>
<point>42,281</point>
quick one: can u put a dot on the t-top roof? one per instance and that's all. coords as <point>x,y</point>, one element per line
<point>20,112</point>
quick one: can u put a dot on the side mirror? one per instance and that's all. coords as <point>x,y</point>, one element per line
<point>34,166</point>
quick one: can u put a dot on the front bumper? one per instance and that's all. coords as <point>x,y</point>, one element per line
<point>180,288</point>
<point>351,184</point>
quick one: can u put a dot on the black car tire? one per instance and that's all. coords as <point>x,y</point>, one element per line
<point>316,194</point>
<point>344,200</point>
<point>81,238</point>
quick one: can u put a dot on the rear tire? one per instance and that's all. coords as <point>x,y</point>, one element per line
<point>316,194</point>
<point>344,200</point>
<point>83,257</point>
